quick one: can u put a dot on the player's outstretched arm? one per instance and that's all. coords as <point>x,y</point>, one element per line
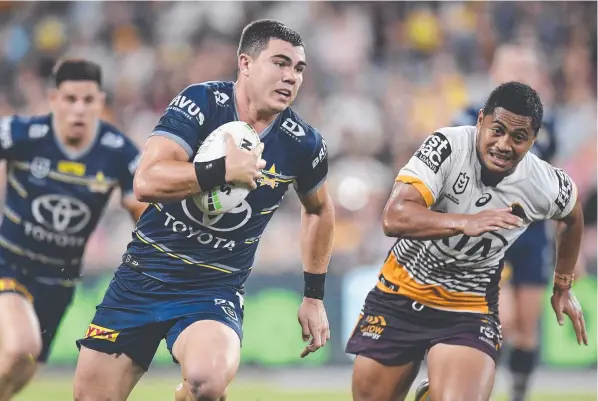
<point>164,173</point>
<point>317,231</point>
<point>406,215</point>
<point>570,232</point>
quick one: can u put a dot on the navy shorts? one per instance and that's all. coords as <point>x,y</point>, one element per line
<point>394,330</point>
<point>530,260</point>
<point>50,297</point>
<point>138,311</point>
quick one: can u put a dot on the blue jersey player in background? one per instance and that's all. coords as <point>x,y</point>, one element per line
<point>61,171</point>
<point>529,261</point>
<point>183,273</point>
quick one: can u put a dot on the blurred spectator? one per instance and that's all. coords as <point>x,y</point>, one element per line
<point>381,77</point>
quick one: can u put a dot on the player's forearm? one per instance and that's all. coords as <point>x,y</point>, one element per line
<point>317,232</point>
<point>414,221</point>
<point>570,233</point>
<point>166,181</point>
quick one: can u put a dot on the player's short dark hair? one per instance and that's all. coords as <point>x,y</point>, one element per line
<point>519,99</point>
<point>256,35</point>
<point>77,70</point>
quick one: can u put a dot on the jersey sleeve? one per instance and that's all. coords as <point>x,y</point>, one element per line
<point>130,158</point>
<point>560,189</point>
<point>428,168</point>
<point>314,172</point>
<point>14,134</point>
<point>184,120</point>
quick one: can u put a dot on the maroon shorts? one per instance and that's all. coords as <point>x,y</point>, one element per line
<point>395,330</point>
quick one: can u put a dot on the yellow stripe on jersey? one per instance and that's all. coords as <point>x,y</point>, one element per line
<point>10,284</point>
<point>17,186</point>
<point>431,295</point>
<point>179,257</point>
<point>420,186</point>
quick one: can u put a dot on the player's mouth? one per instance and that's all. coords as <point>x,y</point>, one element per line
<point>284,93</point>
<point>500,160</point>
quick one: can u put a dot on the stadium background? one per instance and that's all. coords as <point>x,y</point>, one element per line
<point>381,77</point>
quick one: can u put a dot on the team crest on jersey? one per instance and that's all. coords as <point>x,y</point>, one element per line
<point>99,184</point>
<point>40,167</point>
<point>461,183</point>
<point>434,151</point>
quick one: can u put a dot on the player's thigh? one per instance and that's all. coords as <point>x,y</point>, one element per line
<point>460,373</point>
<point>373,381</point>
<point>19,326</point>
<point>104,377</point>
<point>209,352</point>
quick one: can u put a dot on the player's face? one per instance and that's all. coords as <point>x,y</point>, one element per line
<point>276,74</point>
<point>77,106</point>
<point>503,140</point>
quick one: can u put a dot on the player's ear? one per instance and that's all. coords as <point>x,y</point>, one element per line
<point>243,62</point>
<point>480,117</point>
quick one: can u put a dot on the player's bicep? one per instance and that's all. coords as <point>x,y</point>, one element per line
<point>403,192</point>
<point>317,200</point>
<point>160,148</point>
<point>314,174</point>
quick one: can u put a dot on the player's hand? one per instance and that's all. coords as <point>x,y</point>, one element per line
<point>314,324</point>
<point>491,220</point>
<point>243,167</point>
<point>565,302</point>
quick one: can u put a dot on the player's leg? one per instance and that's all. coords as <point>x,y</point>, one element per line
<point>529,282</point>
<point>460,373</point>
<point>103,376</point>
<point>20,338</point>
<point>121,341</point>
<point>50,304</point>
<point>389,341</point>
<point>209,353</point>
<point>208,345</point>
<point>506,302</point>
<point>373,381</point>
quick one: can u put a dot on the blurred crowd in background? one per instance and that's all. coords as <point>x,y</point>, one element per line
<point>381,77</point>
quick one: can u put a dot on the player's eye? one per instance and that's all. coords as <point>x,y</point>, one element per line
<point>88,99</point>
<point>71,99</point>
<point>279,63</point>
<point>300,69</point>
<point>497,131</point>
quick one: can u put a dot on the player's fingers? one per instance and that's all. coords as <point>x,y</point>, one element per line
<point>229,140</point>
<point>261,164</point>
<point>305,352</point>
<point>304,329</point>
<point>316,331</point>
<point>252,185</point>
<point>259,149</point>
<point>584,332</point>
<point>576,325</point>
<point>557,310</point>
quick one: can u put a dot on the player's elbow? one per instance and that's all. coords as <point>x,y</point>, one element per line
<point>142,188</point>
<point>394,221</point>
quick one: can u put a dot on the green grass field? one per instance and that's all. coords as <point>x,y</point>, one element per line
<point>59,389</point>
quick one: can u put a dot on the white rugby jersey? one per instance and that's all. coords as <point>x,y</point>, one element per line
<point>462,273</point>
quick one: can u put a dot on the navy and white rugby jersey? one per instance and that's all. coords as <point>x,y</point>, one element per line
<point>54,196</point>
<point>177,243</point>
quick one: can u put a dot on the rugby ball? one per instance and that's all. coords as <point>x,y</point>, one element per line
<point>220,200</point>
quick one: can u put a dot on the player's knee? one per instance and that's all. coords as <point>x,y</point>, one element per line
<point>18,357</point>
<point>206,387</point>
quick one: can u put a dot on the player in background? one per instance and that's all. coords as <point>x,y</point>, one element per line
<point>465,196</point>
<point>529,261</point>
<point>183,273</point>
<point>61,171</point>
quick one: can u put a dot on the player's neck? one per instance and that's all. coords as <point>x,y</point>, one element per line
<point>75,146</point>
<point>249,113</point>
